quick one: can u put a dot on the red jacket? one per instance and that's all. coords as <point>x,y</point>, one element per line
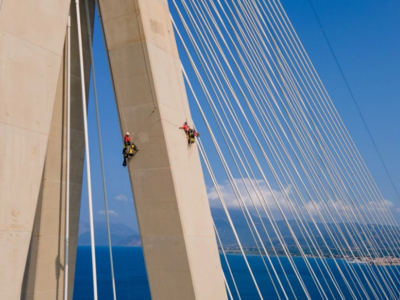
<point>127,139</point>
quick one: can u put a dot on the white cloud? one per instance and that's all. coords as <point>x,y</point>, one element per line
<point>342,210</point>
<point>388,203</point>
<point>110,213</point>
<point>250,191</point>
<point>121,198</point>
<point>254,190</point>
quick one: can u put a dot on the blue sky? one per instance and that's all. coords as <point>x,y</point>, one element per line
<point>364,36</point>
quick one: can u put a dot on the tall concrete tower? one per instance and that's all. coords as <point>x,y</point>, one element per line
<point>170,197</point>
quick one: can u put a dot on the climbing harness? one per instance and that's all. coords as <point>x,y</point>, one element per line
<point>129,151</point>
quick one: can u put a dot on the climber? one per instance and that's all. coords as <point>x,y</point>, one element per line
<point>129,150</point>
<point>191,135</point>
<point>191,138</point>
<point>187,130</point>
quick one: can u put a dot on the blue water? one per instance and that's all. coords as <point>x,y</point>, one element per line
<point>132,284</point>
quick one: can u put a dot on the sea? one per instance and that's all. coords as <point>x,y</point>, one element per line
<point>132,284</point>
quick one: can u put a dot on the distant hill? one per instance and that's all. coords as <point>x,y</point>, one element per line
<point>247,239</point>
<point>119,232</point>
<point>122,235</point>
<point>130,241</point>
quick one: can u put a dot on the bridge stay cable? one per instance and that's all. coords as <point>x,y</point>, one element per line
<point>243,212</point>
<point>208,99</point>
<point>227,261</point>
<point>239,144</point>
<point>343,185</point>
<point>87,152</point>
<point>223,202</point>
<point>340,179</point>
<point>334,140</point>
<point>368,181</point>
<point>68,153</point>
<point>314,133</point>
<point>90,37</point>
<point>256,64</point>
<point>328,170</point>
<point>354,100</point>
<point>295,271</point>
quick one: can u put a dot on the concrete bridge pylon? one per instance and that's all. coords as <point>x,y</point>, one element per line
<point>170,196</point>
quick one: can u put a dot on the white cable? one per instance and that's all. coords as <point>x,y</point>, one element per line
<point>227,264</point>
<point>68,157</point>
<point>299,249</point>
<point>339,177</point>
<point>229,219</point>
<point>328,128</point>
<point>250,222</point>
<point>266,232</point>
<point>286,75</point>
<point>221,197</point>
<point>205,159</point>
<point>230,180</point>
<point>239,157</point>
<point>89,180</point>
<point>227,287</point>
<point>89,29</point>
<point>108,60</point>
<point>225,163</point>
<point>301,81</point>
<point>378,211</point>
<point>336,118</point>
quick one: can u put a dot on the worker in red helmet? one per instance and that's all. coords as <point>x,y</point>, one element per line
<point>127,138</point>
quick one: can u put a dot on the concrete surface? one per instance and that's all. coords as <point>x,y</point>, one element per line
<point>171,201</point>
<point>170,197</point>
<point>31,48</point>
<point>44,273</point>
